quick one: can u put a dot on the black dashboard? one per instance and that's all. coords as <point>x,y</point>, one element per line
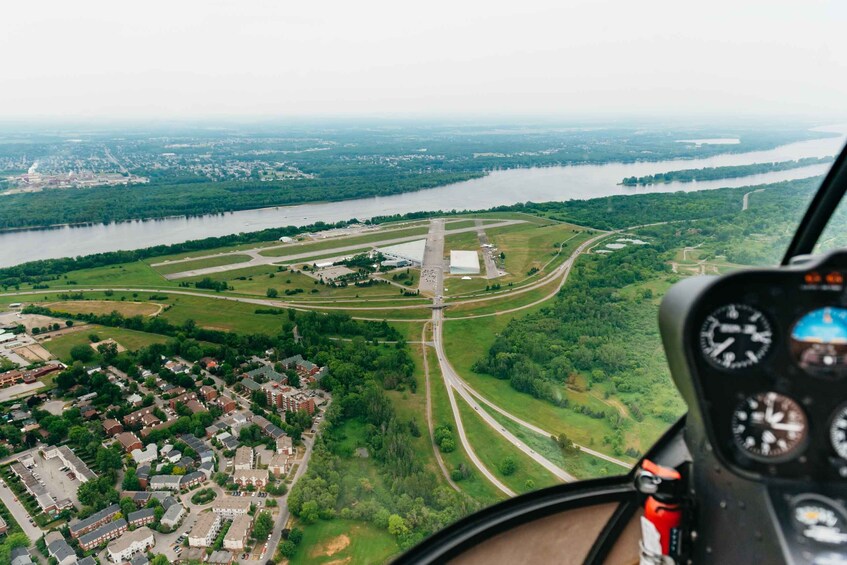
<point>760,356</point>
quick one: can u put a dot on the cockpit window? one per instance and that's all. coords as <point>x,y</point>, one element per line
<point>336,276</point>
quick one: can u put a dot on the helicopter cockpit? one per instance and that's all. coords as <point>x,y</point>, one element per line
<point>757,469</point>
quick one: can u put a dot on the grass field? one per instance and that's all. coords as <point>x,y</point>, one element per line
<point>340,542</point>
<point>61,346</point>
<point>476,485</point>
<point>170,268</point>
<point>492,449</point>
<point>127,309</point>
<point>125,274</point>
<point>580,464</point>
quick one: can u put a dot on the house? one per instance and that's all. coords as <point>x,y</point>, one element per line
<point>243,458</point>
<point>208,393</point>
<point>205,529</point>
<point>20,556</point>
<point>46,502</point>
<point>112,427</point>
<point>229,507</point>
<point>61,551</point>
<point>165,482</point>
<point>263,455</point>
<point>191,479</point>
<point>102,534</point>
<point>139,559</point>
<point>182,399</point>
<point>207,468</point>
<point>143,474</point>
<point>147,455</point>
<point>130,544</point>
<point>230,443</point>
<point>256,477</point>
<point>173,456</point>
<point>250,385</point>
<point>148,420</point>
<point>134,417</point>
<point>129,441</point>
<point>76,465</point>
<point>209,363</point>
<point>94,521</point>
<point>236,536</point>
<point>285,445</point>
<point>226,404</point>
<point>266,374</point>
<point>135,399</point>
<point>195,406</point>
<point>172,516</point>
<point>141,517</point>
<point>220,558</point>
<point>278,464</point>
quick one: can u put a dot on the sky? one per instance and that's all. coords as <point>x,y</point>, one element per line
<point>199,59</point>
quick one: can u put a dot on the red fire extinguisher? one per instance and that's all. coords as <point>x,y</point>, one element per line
<point>663,512</point>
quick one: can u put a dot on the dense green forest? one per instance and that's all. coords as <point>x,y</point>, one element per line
<point>716,173</point>
<point>600,330</point>
<point>110,204</point>
<point>389,488</point>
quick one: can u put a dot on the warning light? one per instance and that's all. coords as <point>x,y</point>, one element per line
<point>834,278</point>
<point>813,278</point>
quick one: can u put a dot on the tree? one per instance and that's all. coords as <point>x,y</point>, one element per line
<point>108,350</point>
<point>309,512</point>
<point>98,493</point>
<point>272,293</point>
<point>127,506</point>
<point>131,481</point>
<point>82,353</point>
<point>108,459</point>
<point>295,536</point>
<point>288,549</point>
<point>160,560</point>
<point>69,323</point>
<point>264,525</point>
<point>508,466</point>
<point>397,525</point>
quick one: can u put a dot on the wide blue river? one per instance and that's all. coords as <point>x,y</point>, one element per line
<point>496,189</point>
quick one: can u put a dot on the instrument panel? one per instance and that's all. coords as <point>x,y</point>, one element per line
<point>767,350</point>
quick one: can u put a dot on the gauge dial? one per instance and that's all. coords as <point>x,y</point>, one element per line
<point>819,519</point>
<point>838,432</point>
<point>819,341</point>
<point>769,427</point>
<point>735,336</point>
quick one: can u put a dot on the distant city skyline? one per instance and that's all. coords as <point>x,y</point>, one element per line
<point>212,60</point>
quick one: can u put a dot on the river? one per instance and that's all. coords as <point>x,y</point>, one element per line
<point>498,188</point>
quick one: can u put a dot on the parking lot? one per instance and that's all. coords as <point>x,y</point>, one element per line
<point>55,480</point>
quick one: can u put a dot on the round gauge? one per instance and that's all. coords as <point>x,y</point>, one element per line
<point>819,341</point>
<point>838,432</point>
<point>735,336</point>
<point>819,519</point>
<point>769,427</point>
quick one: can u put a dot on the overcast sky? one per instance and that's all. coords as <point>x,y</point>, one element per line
<point>215,58</point>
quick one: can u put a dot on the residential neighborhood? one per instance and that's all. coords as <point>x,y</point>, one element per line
<point>122,464</point>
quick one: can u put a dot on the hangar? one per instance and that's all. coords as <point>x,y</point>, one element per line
<point>464,262</point>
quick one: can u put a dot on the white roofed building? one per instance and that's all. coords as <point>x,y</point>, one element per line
<point>464,262</point>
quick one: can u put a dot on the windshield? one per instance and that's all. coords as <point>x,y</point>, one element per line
<point>311,283</point>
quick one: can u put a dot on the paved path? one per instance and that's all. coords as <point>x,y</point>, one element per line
<point>491,270</point>
<point>19,512</point>
<point>452,380</point>
<point>432,268</point>
<point>745,203</point>
<point>429,421</point>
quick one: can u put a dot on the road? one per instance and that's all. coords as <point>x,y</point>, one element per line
<point>746,202</point>
<point>453,381</point>
<point>429,422</point>
<point>432,268</point>
<point>491,270</point>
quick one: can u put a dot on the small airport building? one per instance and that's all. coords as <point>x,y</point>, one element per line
<point>464,262</point>
<point>409,254</point>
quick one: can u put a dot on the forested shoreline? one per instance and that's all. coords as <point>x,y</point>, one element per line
<point>718,173</point>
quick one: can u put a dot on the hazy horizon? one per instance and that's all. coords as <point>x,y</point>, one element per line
<point>256,60</point>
